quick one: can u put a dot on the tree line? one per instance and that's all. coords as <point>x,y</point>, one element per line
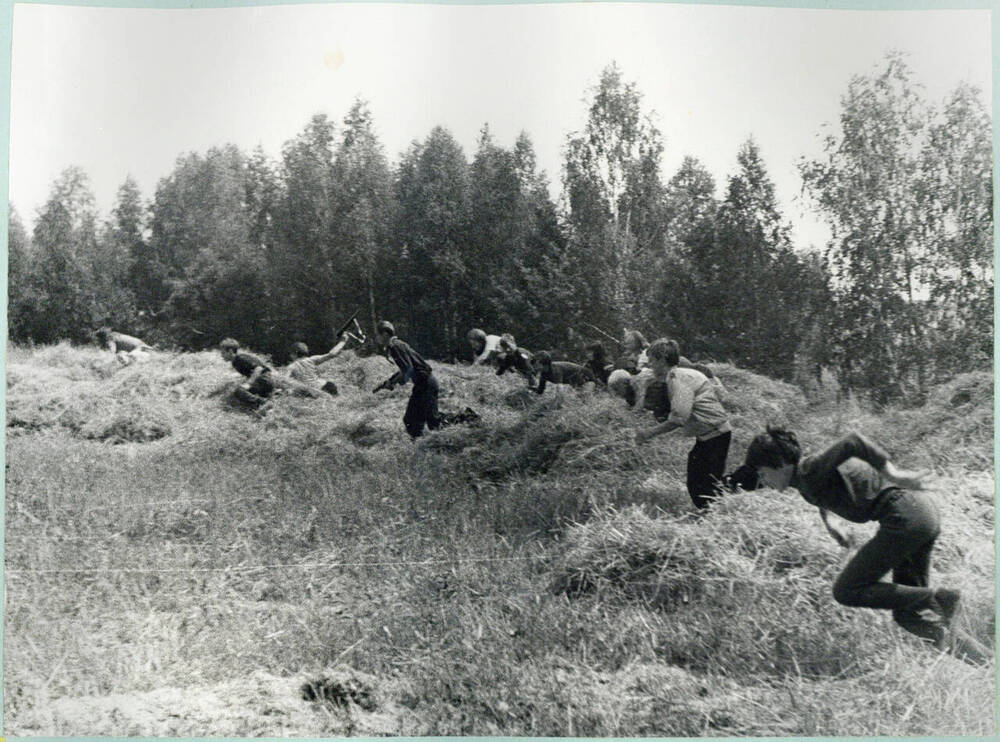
<point>274,251</point>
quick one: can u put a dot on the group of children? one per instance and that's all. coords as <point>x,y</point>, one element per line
<point>853,478</point>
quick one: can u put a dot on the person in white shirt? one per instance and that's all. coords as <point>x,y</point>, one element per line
<point>695,408</point>
<point>485,347</point>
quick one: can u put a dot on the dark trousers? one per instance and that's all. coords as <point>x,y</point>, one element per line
<point>422,408</point>
<point>743,477</point>
<point>706,467</point>
<point>258,393</point>
<point>908,527</point>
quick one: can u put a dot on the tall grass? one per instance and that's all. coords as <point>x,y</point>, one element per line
<point>538,574</point>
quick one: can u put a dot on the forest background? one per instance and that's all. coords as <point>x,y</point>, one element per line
<point>234,243</point>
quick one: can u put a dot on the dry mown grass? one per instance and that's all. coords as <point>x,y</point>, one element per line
<point>538,574</point>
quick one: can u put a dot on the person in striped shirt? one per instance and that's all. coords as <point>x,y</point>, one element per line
<point>855,480</point>
<point>304,367</point>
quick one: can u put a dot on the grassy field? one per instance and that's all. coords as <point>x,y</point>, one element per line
<point>177,567</point>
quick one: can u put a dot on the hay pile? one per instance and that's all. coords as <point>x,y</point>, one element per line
<point>750,541</point>
<point>953,429</point>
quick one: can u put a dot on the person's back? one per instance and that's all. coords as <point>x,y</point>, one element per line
<point>411,364</point>
<point>304,370</point>
<point>128,343</point>
<point>245,363</point>
<point>566,372</point>
<point>559,372</point>
<point>706,413</point>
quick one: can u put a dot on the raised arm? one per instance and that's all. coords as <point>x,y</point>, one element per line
<point>332,353</point>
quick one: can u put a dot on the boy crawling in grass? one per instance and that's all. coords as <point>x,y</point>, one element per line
<point>855,479</point>
<point>126,348</point>
<point>485,348</point>
<point>518,359</point>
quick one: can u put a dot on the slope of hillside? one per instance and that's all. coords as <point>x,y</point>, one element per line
<point>175,566</point>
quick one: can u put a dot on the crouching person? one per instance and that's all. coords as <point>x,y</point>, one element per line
<point>518,359</point>
<point>422,409</point>
<point>485,348</point>
<point>559,372</point>
<point>691,403</point>
<point>855,479</point>
<point>597,362</point>
<point>256,391</point>
<point>126,348</point>
<point>630,387</point>
<point>304,367</point>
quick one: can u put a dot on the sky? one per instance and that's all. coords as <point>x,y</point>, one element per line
<point>125,92</point>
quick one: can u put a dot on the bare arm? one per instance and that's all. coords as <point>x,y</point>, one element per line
<point>254,375</point>
<point>839,536</point>
<point>641,436</point>
<point>903,477</point>
<point>333,352</point>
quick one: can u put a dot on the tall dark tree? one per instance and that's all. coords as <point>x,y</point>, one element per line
<point>64,244</point>
<point>690,209</point>
<point>20,296</point>
<point>517,285</point>
<point>201,235</point>
<point>432,219</point>
<point>121,261</point>
<point>362,190</point>
<point>749,277</point>
<point>305,265</point>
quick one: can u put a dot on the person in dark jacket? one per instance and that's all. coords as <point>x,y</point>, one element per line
<point>559,372</point>
<point>422,409</point>
<point>597,362</point>
<point>855,479</point>
<point>515,358</point>
<point>259,386</point>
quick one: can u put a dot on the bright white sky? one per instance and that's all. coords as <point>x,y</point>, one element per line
<point>127,91</point>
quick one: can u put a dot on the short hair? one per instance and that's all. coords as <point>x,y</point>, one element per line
<point>597,347</point>
<point>300,349</point>
<point>103,333</point>
<point>619,382</point>
<point>477,334</point>
<point>385,326</point>
<point>542,358</point>
<point>507,341</point>
<point>665,350</point>
<point>634,340</point>
<point>773,449</point>
<point>229,344</point>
